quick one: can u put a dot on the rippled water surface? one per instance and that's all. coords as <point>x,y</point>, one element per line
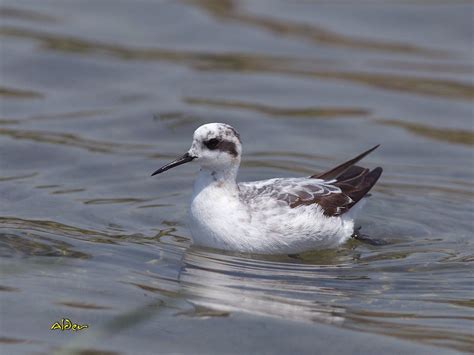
<point>95,95</point>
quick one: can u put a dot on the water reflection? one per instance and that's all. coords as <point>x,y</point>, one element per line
<point>334,293</point>
<point>259,287</point>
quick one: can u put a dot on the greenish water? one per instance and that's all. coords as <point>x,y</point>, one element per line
<point>95,95</point>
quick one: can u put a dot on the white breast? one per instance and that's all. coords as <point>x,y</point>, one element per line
<point>220,219</point>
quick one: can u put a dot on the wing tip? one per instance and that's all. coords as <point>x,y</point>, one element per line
<point>342,168</point>
<point>371,149</point>
<point>378,170</point>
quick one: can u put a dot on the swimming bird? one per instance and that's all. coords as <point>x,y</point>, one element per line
<point>275,216</point>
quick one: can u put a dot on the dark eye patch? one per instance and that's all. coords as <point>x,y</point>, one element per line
<point>212,143</point>
<point>221,145</point>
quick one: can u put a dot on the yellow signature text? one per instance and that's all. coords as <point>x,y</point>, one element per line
<point>66,324</point>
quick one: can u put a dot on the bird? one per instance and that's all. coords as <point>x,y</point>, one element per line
<point>274,216</point>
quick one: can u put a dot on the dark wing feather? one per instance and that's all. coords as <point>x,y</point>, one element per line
<point>353,181</point>
<point>357,188</point>
<point>353,173</point>
<point>352,190</point>
<point>344,167</point>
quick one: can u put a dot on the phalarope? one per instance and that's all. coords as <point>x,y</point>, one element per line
<point>275,216</point>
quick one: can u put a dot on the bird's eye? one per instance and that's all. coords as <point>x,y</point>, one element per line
<point>212,143</point>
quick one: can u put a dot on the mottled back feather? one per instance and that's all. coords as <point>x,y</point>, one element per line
<point>335,191</point>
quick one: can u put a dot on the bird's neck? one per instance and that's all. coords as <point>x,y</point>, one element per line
<point>208,177</point>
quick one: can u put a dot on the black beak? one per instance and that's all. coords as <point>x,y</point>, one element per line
<point>186,158</point>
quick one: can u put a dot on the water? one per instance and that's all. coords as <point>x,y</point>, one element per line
<point>97,96</point>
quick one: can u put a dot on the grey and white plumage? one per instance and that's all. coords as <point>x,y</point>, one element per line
<point>275,216</point>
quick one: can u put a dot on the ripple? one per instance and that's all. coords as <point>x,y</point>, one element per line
<point>18,177</point>
<point>425,86</point>
<point>175,120</point>
<point>423,66</point>
<point>115,200</point>
<point>29,244</point>
<point>8,121</point>
<point>50,230</point>
<point>156,205</point>
<point>82,305</point>
<point>65,115</point>
<point>9,289</point>
<point>74,140</point>
<point>154,289</point>
<point>461,341</point>
<point>19,94</point>
<point>67,191</point>
<point>244,62</point>
<point>7,340</point>
<point>456,136</point>
<point>229,10</point>
<point>26,14</point>
<point>423,189</point>
<point>462,303</point>
<point>308,112</point>
<point>203,312</point>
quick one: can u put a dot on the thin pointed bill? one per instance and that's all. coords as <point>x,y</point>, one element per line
<point>186,158</point>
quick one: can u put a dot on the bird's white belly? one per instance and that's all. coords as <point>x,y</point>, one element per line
<point>220,220</point>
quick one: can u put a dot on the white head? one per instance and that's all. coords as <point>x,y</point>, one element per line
<point>216,147</point>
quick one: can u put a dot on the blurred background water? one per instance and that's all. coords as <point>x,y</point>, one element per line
<point>95,95</point>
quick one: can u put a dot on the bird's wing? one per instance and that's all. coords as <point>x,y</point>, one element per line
<point>344,167</point>
<point>291,190</point>
<point>334,191</point>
